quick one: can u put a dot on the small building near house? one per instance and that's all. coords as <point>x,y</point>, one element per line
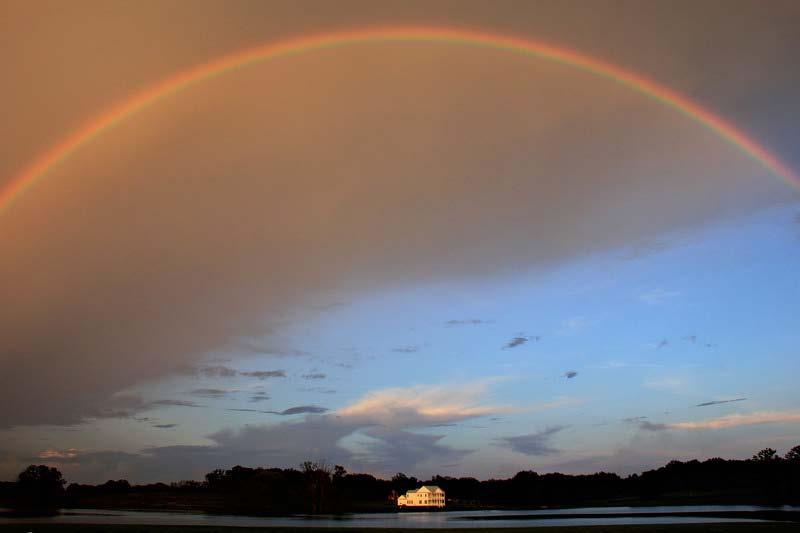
<point>425,496</point>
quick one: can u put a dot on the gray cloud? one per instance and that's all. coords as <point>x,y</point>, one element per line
<point>650,426</point>
<point>718,402</point>
<point>301,409</point>
<point>170,403</point>
<point>533,443</point>
<point>322,390</point>
<point>314,375</point>
<point>570,374</point>
<point>634,419</point>
<point>165,426</point>
<point>467,322</point>
<point>217,371</point>
<point>516,341</point>
<point>264,374</point>
<point>298,410</point>
<point>406,349</point>
<point>287,444</point>
<point>210,393</point>
<point>259,397</point>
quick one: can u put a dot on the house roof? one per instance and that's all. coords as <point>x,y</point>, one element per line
<point>424,488</point>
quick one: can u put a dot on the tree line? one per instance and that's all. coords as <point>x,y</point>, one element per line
<point>316,487</point>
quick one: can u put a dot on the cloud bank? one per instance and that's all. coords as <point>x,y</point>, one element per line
<point>178,233</point>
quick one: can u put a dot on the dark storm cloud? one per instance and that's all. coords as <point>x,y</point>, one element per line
<point>314,375</point>
<point>718,402</point>
<point>533,443</point>
<point>149,283</point>
<point>394,448</point>
<point>287,444</point>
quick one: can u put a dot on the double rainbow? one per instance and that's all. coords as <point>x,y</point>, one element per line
<point>229,63</point>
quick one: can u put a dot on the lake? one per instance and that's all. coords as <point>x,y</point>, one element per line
<point>441,519</point>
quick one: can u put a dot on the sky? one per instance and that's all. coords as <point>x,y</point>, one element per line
<point>430,258</point>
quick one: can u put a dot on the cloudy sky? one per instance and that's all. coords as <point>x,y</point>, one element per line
<point>399,256</point>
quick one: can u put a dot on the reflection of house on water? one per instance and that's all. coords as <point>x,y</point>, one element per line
<point>425,496</point>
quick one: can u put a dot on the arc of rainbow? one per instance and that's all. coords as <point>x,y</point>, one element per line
<point>181,81</point>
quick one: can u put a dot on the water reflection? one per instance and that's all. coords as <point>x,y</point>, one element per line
<point>441,519</point>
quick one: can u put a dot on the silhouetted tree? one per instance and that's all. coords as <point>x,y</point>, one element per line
<point>793,455</point>
<point>40,487</point>
<point>318,485</point>
<point>767,454</point>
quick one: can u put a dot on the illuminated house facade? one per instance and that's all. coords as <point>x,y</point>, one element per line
<point>425,496</point>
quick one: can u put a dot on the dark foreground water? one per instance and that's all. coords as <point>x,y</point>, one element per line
<point>442,519</point>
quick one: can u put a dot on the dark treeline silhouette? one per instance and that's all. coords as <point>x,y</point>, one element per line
<point>316,487</point>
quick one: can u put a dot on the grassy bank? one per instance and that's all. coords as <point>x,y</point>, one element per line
<point>658,528</point>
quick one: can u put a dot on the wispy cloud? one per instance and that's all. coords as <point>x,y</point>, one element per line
<point>216,371</point>
<point>301,409</point>
<point>171,403</point>
<point>58,454</point>
<point>210,393</point>
<point>570,374</point>
<point>315,375</point>
<point>406,349</point>
<point>573,325</point>
<point>423,405</point>
<point>533,443</point>
<point>718,402</point>
<point>516,341</point>
<point>467,322</point>
<point>264,374</point>
<point>165,426</point>
<point>735,420</point>
<point>298,410</point>
<point>730,421</point>
<point>651,426</point>
<point>634,419</point>
<point>557,403</point>
<point>674,384</point>
<point>657,296</point>
<point>259,397</point>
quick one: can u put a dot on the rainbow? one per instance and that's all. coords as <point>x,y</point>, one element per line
<point>104,122</point>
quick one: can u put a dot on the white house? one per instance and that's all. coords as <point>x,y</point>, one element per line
<point>425,496</point>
